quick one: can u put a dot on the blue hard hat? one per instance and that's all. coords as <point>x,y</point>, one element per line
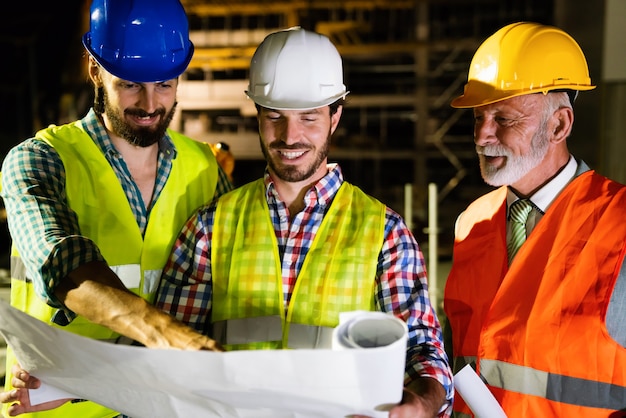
<point>139,40</point>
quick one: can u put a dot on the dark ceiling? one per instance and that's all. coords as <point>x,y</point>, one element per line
<point>40,41</point>
<point>41,48</point>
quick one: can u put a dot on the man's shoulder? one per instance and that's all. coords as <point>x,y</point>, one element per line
<point>180,139</point>
<point>347,187</point>
<point>42,144</point>
<point>66,133</point>
<point>493,197</point>
<point>189,147</point>
<point>484,208</point>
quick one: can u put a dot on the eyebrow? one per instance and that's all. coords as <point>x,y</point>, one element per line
<point>315,111</point>
<point>310,112</point>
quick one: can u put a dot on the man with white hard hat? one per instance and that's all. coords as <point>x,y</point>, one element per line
<point>302,244</point>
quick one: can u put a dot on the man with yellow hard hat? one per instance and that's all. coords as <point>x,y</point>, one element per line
<point>536,294</point>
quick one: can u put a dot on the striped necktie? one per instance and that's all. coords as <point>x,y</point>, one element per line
<point>518,214</point>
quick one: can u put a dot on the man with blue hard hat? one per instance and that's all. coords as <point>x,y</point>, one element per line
<point>94,206</point>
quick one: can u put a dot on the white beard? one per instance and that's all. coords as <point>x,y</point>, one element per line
<point>515,166</point>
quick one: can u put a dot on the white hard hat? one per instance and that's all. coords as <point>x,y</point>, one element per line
<point>295,69</point>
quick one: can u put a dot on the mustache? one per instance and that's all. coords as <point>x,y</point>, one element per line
<point>143,114</point>
<point>492,150</point>
<point>279,145</point>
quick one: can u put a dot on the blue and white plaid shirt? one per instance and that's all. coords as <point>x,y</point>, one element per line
<point>46,231</point>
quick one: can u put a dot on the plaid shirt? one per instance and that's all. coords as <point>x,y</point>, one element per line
<point>46,232</point>
<point>186,286</point>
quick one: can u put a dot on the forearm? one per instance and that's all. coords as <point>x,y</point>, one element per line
<point>185,290</point>
<point>96,293</point>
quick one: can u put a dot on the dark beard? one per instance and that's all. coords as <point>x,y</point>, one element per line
<point>143,136</point>
<point>290,173</point>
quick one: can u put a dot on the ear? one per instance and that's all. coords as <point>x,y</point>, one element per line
<point>334,119</point>
<point>95,72</point>
<point>563,120</point>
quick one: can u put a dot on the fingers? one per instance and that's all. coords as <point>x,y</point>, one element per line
<point>204,343</point>
<point>19,397</point>
<point>9,396</point>
<point>19,400</point>
<point>22,379</point>
<point>211,345</point>
<point>16,409</point>
<point>215,346</point>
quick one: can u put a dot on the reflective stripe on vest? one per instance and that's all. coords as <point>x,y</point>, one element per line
<point>309,336</point>
<point>18,269</point>
<point>554,387</point>
<point>129,274</point>
<point>269,328</point>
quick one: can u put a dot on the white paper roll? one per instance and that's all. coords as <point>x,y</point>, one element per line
<point>364,329</point>
<point>476,394</point>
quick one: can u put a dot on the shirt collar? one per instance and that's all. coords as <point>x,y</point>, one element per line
<point>544,196</point>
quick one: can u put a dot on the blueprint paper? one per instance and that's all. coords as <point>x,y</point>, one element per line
<point>153,383</point>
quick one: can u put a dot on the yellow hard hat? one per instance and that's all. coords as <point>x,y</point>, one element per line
<point>523,58</point>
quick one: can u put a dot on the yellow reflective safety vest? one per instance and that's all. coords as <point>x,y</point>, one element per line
<point>338,273</point>
<point>537,329</point>
<point>104,215</point>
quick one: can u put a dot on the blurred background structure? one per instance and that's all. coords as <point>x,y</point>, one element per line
<point>404,60</point>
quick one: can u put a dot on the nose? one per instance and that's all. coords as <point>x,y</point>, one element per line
<point>484,131</point>
<point>292,131</point>
<point>148,98</point>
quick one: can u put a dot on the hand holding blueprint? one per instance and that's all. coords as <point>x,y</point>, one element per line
<point>152,383</point>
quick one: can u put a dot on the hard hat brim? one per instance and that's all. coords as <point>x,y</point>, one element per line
<point>291,104</point>
<point>478,93</point>
<point>140,72</point>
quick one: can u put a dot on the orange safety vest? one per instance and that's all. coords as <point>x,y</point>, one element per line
<point>537,330</point>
